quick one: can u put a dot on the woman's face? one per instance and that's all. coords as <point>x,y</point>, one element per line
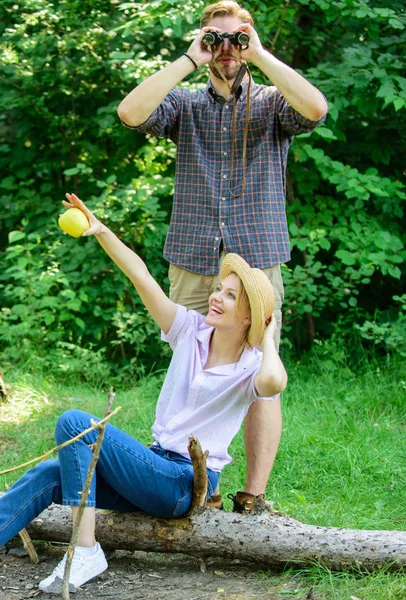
<point>223,306</point>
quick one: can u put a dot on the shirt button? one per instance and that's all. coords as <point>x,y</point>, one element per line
<point>222,224</point>
<point>216,239</point>
<point>224,176</point>
<point>224,128</point>
<point>223,199</point>
<point>225,153</point>
<point>227,106</point>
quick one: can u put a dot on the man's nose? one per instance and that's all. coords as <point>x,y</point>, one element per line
<point>226,45</point>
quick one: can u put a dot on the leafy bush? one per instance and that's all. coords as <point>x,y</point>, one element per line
<point>388,330</point>
<point>66,66</point>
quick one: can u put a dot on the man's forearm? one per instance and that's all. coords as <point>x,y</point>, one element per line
<point>139,104</point>
<point>300,93</point>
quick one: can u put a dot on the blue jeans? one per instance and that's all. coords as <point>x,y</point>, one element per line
<point>129,477</point>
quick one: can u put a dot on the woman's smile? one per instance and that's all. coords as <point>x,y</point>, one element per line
<point>215,310</point>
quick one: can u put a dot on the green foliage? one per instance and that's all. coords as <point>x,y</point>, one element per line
<point>54,310</point>
<point>345,188</point>
<point>62,297</point>
<point>388,330</point>
<point>65,67</point>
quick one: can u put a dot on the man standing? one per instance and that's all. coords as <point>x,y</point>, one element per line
<point>230,189</point>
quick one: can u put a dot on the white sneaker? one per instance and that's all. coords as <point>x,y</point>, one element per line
<point>83,569</point>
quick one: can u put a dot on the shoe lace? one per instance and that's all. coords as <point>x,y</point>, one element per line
<point>240,507</point>
<point>237,506</point>
<point>60,568</point>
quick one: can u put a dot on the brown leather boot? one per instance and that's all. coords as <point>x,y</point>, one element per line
<point>216,501</point>
<point>244,501</point>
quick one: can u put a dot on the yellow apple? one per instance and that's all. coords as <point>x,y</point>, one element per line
<point>73,222</point>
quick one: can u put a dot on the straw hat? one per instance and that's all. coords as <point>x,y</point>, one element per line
<point>259,291</point>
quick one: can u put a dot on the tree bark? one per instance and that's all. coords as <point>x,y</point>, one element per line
<point>263,537</point>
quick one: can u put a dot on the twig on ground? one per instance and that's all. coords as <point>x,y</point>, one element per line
<point>28,545</point>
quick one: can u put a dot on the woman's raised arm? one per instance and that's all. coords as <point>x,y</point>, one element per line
<point>160,307</point>
<point>272,377</point>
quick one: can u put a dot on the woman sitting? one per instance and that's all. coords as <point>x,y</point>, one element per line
<point>215,373</point>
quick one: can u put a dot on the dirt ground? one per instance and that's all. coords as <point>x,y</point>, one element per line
<point>141,576</point>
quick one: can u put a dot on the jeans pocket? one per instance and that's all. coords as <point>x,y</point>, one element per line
<point>183,503</point>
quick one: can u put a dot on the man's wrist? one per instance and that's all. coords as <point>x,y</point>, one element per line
<point>192,60</point>
<point>260,57</point>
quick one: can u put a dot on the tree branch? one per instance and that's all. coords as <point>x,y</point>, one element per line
<point>44,456</point>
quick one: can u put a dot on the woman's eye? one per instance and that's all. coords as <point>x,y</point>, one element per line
<point>231,295</point>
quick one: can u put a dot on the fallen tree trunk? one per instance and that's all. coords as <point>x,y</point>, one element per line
<point>264,537</point>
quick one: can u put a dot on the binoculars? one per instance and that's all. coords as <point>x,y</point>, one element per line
<point>239,38</point>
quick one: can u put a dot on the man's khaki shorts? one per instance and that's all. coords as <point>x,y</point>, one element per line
<point>193,290</point>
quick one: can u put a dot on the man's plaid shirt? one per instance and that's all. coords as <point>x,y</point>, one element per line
<point>204,212</point>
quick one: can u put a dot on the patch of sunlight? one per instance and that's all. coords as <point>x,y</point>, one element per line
<point>22,403</point>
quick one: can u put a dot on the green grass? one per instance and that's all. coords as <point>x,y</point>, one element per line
<point>341,461</point>
<point>319,583</point>
<point>342,456</point>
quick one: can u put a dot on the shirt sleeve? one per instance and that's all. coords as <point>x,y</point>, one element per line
<point>252,392</point>
<point>162,123</point>
<point>258,397</point>
<point>292,121</point>
<point>178,325</point>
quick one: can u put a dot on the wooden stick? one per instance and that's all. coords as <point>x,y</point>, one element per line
<point>95,425</point>
<point>200,473</point>
<point>28,545</point>
<point>101,426</point>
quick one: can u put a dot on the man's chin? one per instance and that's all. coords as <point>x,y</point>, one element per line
<point>229,72</point>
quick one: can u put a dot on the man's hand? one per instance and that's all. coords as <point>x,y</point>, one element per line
<point>254,48</point>
<point>203,55</point>
<point>198,51</point>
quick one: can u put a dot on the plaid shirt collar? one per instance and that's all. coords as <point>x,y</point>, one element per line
<point>241,94</point>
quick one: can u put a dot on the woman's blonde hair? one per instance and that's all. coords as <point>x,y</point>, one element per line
<point>242,304</point>
<point>225,8</point>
